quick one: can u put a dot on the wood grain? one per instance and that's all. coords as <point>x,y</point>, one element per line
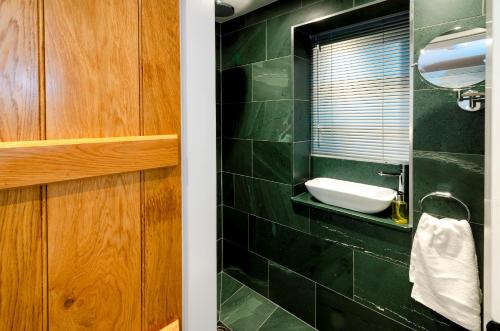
<point>94,230</point>
<point>21,296</point>
<point>40,162</point>
<point>162,245</point>
<point>174,326</point>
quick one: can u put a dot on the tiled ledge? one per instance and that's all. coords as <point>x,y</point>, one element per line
<point>382,220</point>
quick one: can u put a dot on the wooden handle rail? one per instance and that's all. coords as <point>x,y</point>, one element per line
<point>27,163</point>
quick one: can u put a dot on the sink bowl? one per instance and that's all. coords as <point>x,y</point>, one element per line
<point>364,198</point>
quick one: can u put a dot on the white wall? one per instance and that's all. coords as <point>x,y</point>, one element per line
<point>492,167</point>
<point>198,165</point>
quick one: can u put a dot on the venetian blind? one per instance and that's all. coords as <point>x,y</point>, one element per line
<point>361,91</point>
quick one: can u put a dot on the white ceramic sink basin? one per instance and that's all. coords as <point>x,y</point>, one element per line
<point>359,197</point>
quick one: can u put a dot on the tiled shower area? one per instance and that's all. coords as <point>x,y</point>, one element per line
<point>286,266</point>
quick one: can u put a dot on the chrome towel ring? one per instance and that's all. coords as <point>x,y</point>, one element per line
<point>446,195</point>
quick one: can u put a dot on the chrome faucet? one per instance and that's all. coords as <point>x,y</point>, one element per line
<point>401,174</point>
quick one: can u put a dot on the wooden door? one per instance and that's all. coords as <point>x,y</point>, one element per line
<point>80,251</point>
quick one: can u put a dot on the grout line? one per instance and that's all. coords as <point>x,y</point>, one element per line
<point>252,63</point>
<point>264,322</point>
<point>444,23</point>
<point>229,297</point>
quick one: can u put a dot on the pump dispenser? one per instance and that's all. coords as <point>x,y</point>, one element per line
<point>399,205</point>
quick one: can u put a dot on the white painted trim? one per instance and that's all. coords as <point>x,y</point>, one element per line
<point>492,168</point>
<point>198,165</point>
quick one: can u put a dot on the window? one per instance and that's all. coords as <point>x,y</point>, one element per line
<point>360,98</point>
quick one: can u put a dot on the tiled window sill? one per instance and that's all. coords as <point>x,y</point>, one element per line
<point>306,199</point>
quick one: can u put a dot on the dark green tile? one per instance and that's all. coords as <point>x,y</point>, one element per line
<point>228,189</point>
<point>272,161</point>
<point>293,292</point>
<point>302,79</point>
<point>269,200</point>
<point>301,156</point>
<point>247,267</point>
<point>272,80</point>
<point>219,255</point>
<point>236,227</point>
<point>218,87</point>
<point>279,28</point>
<point>355,171</point>
<point>301,120</point>
<point>219,222</point>
<point>269,121</point>
<point>384,287</point>
<point>387,243</point>
<point>434,12</point>
<point>301,44</point>
<point>244,46</point>
<point>440,125</point>
<point>219,154</point>
<point>335,312</point>
<point>229,286</point>
<point>232,25</point>
<point>271,10</point>
<point>237,156</point>
<point>246,310</point>
<point>460,174</point>
<point>219,189</point>
<point>325,262</point>
<point>237,84</point>
<point>280,320</point>
<point>218,121</point>
<point>362,2</point>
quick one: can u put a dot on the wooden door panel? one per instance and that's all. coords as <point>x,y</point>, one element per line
<point>94,225</point>
<point>162,264</point>
<point>21,277</point>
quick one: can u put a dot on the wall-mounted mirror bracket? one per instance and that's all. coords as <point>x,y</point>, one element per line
<point>470,100</point>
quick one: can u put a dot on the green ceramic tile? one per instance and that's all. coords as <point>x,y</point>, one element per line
<point>301,120</point>
<point>355,171</point>
<point>272,161</point>
<point>293,292</point>
<point>301,156</point>
<point>219,255</point>
<point>389,292</point>
<point>237,156</point>
<point>301,44</point>
<point>309,2</point>
<point>219,222</point>
<point>460,174</point>
<point>279,28</point>
<point>362,2</point>
<point>219,154</point>
<point>236,227</point>
<point>281,320</point>
<point>383,242</point>
<point>434,12</point>
<point>272,10</point>
<point>268,121</point>
<point>218,87</point>
<point>272,80</point>
<point>244,46</point>
<point>232,25</point>
<point>219,189</point>
<point>302,78</point>
<point>237,84</point>
<point>229,286</point>
<point>336,312</point>
<point>323,261</point>
<point>271,201</point>
<point>228,189</point>
<point>440,125</point>
<point>247,267</point>
<point>423,36</point>
<point>218,122</point>
<point>246,310</point>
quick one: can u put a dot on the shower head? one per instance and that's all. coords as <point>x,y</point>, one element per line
<point>223,9</point>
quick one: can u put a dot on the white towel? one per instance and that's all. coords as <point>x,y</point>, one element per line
<point>443,270</point>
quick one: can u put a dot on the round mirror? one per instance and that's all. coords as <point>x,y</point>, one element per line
<point>456,59</point>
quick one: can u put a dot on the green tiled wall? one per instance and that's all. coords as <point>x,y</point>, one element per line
<point>333,272</point>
